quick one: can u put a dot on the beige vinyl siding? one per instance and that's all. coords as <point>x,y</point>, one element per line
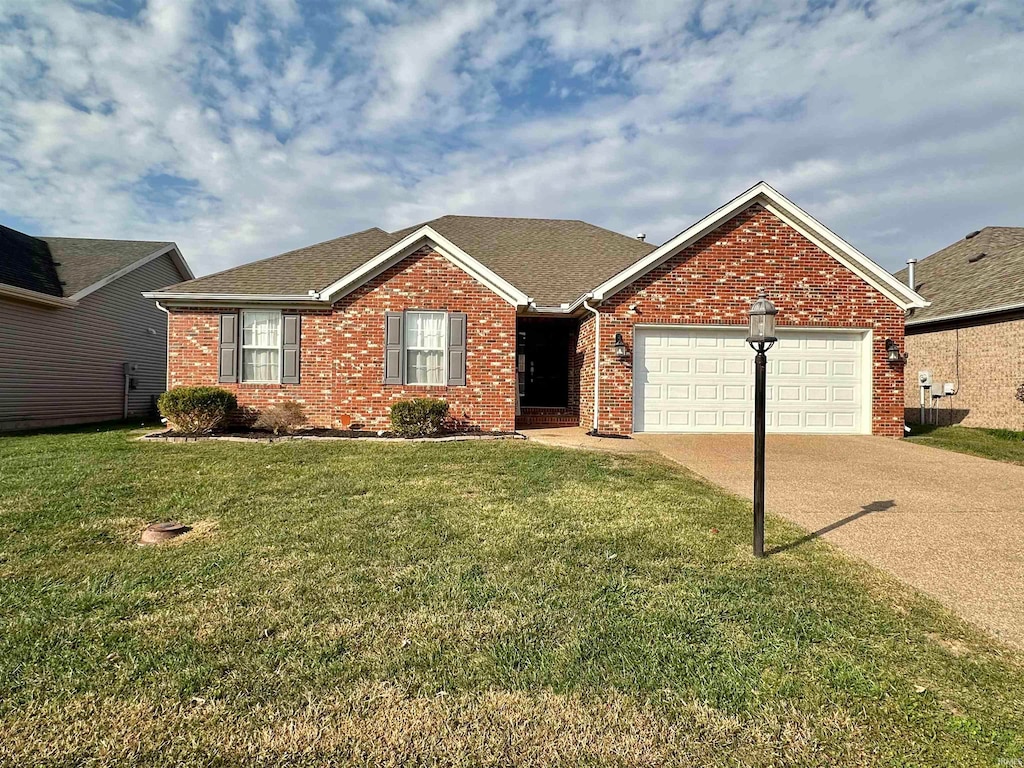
<point>64,365</point>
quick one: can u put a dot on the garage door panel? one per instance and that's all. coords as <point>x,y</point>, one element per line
<point>701,380</point>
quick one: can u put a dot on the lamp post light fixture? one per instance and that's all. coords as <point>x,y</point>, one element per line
<point>619,346</point>
<point>761,338</point>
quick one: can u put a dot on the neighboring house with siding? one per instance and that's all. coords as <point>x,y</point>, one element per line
<point>72,315</point>
<point>972,334</point>
<point>523,322</point>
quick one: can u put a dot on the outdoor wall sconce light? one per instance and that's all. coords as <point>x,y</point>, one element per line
<point>892,352</point>
<point>761,339</point>
<point>619,346</point>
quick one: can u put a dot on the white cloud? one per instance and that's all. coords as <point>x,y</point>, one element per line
<point>900,125</point>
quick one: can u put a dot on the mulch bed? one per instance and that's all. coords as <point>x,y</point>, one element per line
<point>258,435</point>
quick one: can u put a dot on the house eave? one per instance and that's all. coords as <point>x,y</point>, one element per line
<point>972,314</point>
<point>35,297</point>
<point>178,299</point>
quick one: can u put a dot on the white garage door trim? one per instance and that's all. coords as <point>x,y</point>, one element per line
<point>740,418</point>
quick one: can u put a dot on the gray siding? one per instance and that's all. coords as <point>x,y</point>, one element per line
<point>63,365</point>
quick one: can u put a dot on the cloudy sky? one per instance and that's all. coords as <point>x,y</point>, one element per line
<point>243,128</point>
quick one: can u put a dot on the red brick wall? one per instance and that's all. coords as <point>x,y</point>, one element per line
<point>193,340</point>
<point>715,280</point>
<point>426,280</point>
<point>342,350</point>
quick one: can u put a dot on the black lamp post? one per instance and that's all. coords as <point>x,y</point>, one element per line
<point>761,339</point>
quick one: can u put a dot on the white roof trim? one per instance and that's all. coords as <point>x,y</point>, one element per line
<point>405,247</point>
<point>794,216</point>
<point>912,323</point>
<point>36,297</point>
<point>173,296</point>
<point>172,249</point>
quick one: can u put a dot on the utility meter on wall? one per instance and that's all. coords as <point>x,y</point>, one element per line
<point>924,378</point>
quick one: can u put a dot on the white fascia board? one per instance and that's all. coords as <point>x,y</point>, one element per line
<point>172,249</point>
<point>170,296</point>
<point>794,216</point>
<point>964,315</point>
<point>24,294</point>
<point>406,246</point>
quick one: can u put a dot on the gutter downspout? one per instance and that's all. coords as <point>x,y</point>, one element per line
<point>167,346</point>
<point>597,359</point>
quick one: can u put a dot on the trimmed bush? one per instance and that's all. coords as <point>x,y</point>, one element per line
<point>419,417</point>
<point>196,410</point>
<point>281,417</point>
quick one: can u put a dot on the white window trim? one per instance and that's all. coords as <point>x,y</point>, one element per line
<point>406,349</point>
<point>242,347</point>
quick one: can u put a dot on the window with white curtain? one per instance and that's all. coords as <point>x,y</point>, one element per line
<point>424,347</point>
<point>261,346</point>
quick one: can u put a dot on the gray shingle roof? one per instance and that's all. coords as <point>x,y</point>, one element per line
<point>956,281</point>
<point>62,266</point>
<point>297,272</point>
<point>83,261</point>
<point>552,260</point>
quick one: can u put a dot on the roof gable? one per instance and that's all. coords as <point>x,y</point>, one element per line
<point>553,261</point>
<point>409,245</point>
<point>788,212</point>
<point>976,275</point>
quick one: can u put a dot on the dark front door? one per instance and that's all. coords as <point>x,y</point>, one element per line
<point>544,349</point>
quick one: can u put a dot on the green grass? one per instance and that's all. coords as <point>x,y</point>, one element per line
<point>478,603</point>
<point>999,444</point>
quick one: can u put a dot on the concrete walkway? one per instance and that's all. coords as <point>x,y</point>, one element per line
<point>949,524</point>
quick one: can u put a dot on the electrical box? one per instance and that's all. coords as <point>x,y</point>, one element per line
<point>924,378</point>
<point>949,388</point>
<point>130,369</point>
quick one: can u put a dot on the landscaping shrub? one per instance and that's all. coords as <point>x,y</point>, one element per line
<point>196,410</point>
<point>281,417</point>
<point>419,417</point>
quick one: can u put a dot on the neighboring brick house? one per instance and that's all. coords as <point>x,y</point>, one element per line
<point>78,342</point>
<point>971,337</point>
<point>504,318</point>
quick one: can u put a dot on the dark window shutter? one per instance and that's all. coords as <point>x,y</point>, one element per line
<point>291,336</point>
<point>457,349</point>
<point>392,347</point>
<point>228,352</point>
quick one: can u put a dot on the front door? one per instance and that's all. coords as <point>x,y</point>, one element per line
<point>543,351</point>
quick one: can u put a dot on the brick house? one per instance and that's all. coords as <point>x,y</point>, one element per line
<point>529,322</point>
<point>971,337</point>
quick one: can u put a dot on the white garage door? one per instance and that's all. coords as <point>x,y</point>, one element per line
<point>702,380</point>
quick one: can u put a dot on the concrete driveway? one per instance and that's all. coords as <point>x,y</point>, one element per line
<point>949,524</point>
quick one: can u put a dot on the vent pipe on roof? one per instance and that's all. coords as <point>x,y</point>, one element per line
<point>911,281</point>
<point>642,236</point>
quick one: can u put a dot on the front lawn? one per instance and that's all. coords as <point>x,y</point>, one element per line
<point>454,604</point>
<point>999,444</point>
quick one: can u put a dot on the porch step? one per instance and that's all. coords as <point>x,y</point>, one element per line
<point>533,418</point>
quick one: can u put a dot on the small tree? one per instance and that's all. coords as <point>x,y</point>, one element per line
<point>283,417</point>
<point>197,410</point>
<point>1020,393</point>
